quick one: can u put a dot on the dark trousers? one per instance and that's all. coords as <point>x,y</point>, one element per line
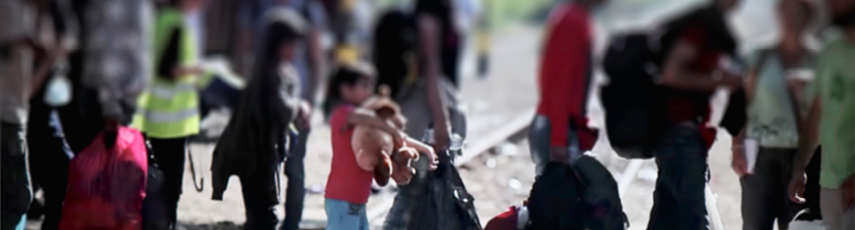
<point>49,159</point>
<point>678,202</point>
<point>82,118</point>
<point>260,197</point>
<point>16,194</point>
<point>404,209</point>
<point>296,173</point>
<point>170,154</point>
<point>402,213</point>
<point>764,193</point>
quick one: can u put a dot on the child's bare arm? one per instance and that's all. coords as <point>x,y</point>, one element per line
<point>424,148</point>
<point>363,117</point>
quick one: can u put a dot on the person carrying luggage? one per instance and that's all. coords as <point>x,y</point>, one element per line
<point>692,69</point>
<point>429,98</point>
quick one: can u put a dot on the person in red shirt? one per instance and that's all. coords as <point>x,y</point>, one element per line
<point>349,185</point>
<point>565,75</point>
<point>692,70</point>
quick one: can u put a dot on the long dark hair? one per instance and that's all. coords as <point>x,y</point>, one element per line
<point>344,75</point>
<point>265,72</point>
<point>267,56</point>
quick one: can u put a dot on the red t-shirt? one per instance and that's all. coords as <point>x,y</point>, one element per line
<point>565,73</point>
<point>347,181</point>
<point>690,106</point>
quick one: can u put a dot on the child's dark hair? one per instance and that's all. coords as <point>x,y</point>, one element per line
<point>347,74</point>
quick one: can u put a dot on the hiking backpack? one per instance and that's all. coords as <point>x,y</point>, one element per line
<point>633,100</point>
<point>581,196</point>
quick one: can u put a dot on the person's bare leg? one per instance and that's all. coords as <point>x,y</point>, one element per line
<point>832,208</point>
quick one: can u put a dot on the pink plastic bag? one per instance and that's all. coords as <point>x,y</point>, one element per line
<point>106,187</point>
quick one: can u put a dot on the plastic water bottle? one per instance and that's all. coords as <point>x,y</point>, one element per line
<point>522,217</point>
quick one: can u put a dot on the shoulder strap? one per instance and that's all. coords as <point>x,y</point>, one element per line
<point>757,68</point>
<point>794,105</point>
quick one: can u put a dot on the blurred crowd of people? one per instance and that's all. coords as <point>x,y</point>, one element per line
<point>76,70</point>
<point>77,73</point>
<point>786,99</point>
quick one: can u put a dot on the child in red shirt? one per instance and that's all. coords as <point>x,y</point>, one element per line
<point>349,185</point>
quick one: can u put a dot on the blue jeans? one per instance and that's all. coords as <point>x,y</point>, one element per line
<point>295,171</point>
<point>679,202</point>
<point>539,146</point>
<point>343,215</point>
<point>14,176</point>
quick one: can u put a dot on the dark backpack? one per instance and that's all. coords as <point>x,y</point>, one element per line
<point>555,200</point>
<point>582,196</point>
<point>633,101</point>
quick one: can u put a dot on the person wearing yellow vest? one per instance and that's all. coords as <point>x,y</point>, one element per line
<point>168,110</point>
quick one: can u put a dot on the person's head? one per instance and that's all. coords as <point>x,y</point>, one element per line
<point>842,12</point>
<point>284,31</point>
<point>40,4</point>
<point>351,83</point>
<point>187,5</point>
<point>727,5</point>
<point>283,41</point>
<point>796,16</point>
<point>593,3</point>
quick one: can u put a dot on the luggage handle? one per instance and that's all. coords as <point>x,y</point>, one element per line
<point>201,185</point>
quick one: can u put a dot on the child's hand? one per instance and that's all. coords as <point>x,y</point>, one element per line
<point>407,154</point>
<point>433,159</point>
<point>402,172</point>
<point>304,116</point>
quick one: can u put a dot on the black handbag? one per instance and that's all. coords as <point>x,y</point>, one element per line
<point>446,204</point>
<point>156,206</point>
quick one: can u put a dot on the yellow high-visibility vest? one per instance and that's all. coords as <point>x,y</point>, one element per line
<point>169,108</point>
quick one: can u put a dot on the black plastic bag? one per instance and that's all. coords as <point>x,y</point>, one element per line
<point>446,204</point>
